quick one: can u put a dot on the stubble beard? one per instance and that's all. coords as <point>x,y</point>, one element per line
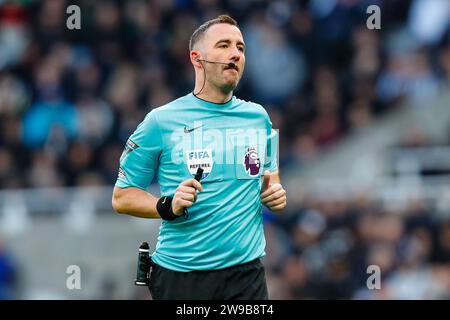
<point>226,85</point>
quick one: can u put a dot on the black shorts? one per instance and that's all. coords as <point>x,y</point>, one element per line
<point>242,282</point>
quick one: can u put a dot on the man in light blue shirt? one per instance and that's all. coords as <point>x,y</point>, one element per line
<point>211,237</point>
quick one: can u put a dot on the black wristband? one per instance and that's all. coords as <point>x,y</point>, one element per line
<point>164,207</point>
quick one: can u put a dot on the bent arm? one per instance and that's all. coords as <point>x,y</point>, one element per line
<point>135,202</point>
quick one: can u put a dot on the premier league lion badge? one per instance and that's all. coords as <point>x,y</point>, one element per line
<point>251,162</point>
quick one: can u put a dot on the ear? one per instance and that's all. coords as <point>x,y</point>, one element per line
<point>195,56</point>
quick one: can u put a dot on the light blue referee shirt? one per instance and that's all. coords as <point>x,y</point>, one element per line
<point>234,143</point>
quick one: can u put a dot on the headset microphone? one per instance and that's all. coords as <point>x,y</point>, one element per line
<point>229,64</point>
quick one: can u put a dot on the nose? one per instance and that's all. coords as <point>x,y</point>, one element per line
<point>235,55</point>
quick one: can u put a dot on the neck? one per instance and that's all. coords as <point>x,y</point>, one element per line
<point>212,94</point>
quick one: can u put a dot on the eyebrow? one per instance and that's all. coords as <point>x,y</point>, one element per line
<point>229,42</point>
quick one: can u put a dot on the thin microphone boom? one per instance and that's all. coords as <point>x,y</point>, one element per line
<point>229,64</point>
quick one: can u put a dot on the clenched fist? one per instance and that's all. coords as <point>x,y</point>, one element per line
<point>273,196</point>
<point>185,195</point>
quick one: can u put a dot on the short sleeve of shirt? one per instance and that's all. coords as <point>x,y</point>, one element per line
<point>271,163</point>
<point>140,158</point>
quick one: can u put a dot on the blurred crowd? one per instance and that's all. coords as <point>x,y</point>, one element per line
<point>69,99</point>
<point>8,274</point>
<point>324,250</point>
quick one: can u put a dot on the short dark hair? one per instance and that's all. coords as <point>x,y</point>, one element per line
<point>200,31</point>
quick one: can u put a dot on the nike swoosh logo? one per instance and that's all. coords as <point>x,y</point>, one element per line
<point>186,130</point>
<point>164,201</point>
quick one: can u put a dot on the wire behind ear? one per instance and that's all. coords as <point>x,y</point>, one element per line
<point>204,77</point>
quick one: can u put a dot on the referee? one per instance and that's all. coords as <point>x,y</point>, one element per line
<point>211,238</point>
